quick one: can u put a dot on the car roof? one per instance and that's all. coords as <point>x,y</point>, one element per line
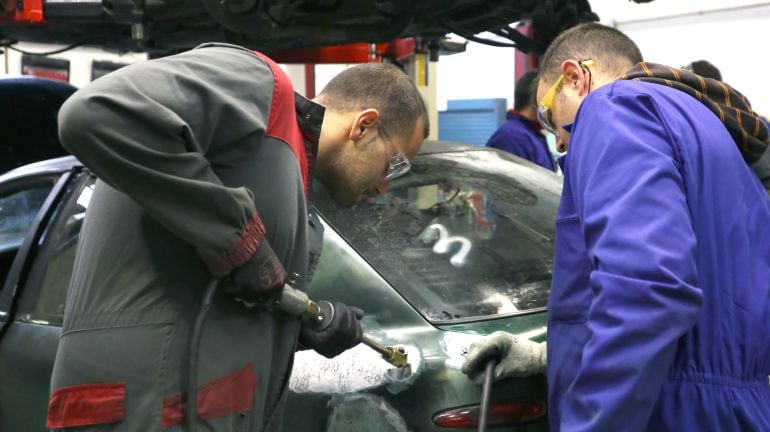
<point>434,146</point>
<point>501,162</point>
<point>65,163</point>
<point>49,166</point>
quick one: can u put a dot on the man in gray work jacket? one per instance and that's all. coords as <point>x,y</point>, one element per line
<point>204,160</point>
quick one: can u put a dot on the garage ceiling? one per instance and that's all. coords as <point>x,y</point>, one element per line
<point>169,25</point>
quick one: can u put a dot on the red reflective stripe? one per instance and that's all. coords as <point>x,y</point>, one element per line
<point>282,123</point>
<point>173,411</point>
<point>230,394</point>
<point>85,405</point>
<point>241,250</point>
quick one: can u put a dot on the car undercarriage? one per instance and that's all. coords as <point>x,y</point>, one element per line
<point>166,26</point>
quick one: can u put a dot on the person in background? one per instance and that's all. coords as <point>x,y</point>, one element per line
<point>708,70</point>
<point>704,69</point>
<point>659,310</point>
<point>521,133</point>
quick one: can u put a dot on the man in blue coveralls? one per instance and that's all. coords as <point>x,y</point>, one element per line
<point>521,134</point>
<point>659,312</point>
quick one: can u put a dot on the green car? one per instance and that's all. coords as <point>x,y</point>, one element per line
<point>461,246</point>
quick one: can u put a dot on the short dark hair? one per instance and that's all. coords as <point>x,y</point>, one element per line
<point>613,51</point>
<point>525,90</point>
<point>383,87</point>
<point>705,69</point>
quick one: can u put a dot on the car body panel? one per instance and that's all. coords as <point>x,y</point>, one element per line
<point>531,325</point>
<point>27,353</point>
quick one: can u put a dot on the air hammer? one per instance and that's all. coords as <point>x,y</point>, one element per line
<point>320,314</point>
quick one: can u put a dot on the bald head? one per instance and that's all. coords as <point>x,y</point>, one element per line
<point>383,87</point>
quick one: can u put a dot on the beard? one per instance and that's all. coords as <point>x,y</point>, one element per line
<point>342,197</point>
<point>337,182</point>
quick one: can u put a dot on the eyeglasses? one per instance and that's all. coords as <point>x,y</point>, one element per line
<point>544,106</point>
<point>398,165</point>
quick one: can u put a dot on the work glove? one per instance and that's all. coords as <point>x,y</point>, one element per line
<point>516,357</point>
<point>258,280</point>
<point>344,332</point>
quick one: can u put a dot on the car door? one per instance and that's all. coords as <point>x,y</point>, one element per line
<point>32,304</point>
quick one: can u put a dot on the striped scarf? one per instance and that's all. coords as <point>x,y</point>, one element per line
<point>745,126</point>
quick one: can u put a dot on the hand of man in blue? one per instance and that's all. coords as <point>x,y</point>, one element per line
<point>516,357</point>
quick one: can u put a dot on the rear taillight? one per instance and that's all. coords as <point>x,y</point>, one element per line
<point>500,414</point>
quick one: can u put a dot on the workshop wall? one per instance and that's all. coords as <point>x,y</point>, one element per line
<point>80,60</point>
<point>732,35</point>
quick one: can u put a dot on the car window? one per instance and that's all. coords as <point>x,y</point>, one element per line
<point>20,202</point>
<point>45,290</point>
<point>459,238</point>
<point>18,207</point>
<point>342,275</point>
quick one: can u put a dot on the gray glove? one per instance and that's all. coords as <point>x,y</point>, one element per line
<point>343,333</point>
<point>516,357</point>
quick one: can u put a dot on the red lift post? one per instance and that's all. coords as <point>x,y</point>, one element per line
<point>399,50</point>
<point>524,62</point>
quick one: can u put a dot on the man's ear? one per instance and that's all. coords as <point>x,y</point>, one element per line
<point>364,124</point>
<point>575,77</point>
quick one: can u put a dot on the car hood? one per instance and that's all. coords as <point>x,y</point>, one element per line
<point>28,127</point>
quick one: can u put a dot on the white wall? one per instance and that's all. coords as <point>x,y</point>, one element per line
<point>481,72</point>
<point>80,60</point>
<point>734,36</point>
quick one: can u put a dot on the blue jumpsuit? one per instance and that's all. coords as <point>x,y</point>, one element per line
<point>522,137</point>
<point>659,313</point>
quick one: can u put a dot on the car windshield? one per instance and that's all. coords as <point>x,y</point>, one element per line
<point>463,236</point>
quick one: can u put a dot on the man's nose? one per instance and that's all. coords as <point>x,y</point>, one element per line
<point>561,142</point>
<point>382,187</point>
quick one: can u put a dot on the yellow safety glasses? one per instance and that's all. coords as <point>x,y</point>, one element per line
<point>544,106</point>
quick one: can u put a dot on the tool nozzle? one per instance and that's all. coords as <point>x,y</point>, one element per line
<point>394,355</point>
<point>312,311</point>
